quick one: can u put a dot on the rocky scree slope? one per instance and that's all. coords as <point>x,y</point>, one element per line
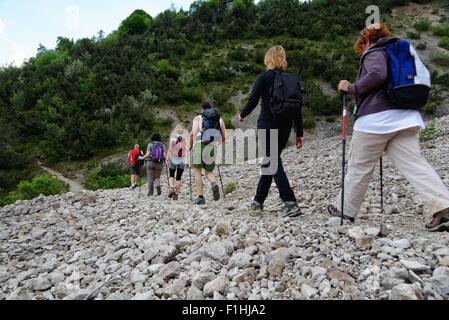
<point>120,244</point>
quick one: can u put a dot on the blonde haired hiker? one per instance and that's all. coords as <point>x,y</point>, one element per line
<point>177,160</point>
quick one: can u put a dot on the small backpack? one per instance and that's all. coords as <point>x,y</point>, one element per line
<point>211,128</point>
<point>139,163</point>
<point>409,83</point>
<point>180,147</point>
<point>286,96</point>
<point>157,154</point>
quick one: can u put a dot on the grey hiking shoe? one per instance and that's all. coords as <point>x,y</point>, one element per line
<point>158,190</point>
<point>200,202</point>
<point>440,222</point>
<point>292,210</point>
<point>216,192</point>
<point>175,197</point>
<point>256,207</point>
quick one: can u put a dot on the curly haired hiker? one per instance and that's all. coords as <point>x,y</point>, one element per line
<point>281,123</point>
<point>384,126</point>
<point>177,160</point>
<point>155,160</point>
<point>208,131</point>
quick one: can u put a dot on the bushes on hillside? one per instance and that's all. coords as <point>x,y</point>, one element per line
<point>107,176</point>
<point>444,43</point>
<point>423,25</point>
<point>27,190</point>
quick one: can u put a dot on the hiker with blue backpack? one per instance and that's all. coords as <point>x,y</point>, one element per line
<point>282,101</point>
<point>155,161</point>
<point>208,132</point>
<point>391,86</point>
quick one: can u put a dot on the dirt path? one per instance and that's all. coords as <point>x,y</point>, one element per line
<point>75,187</point>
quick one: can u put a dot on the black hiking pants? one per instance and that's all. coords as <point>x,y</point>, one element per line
<point>280,177</point>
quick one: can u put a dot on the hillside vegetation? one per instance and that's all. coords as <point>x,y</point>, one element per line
<point>90,98</point>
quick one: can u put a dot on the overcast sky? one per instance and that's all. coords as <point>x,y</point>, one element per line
<point>26,23</point>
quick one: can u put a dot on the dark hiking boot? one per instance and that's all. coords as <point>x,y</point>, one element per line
<point>172,193</point>
<point>200,201</point>
<point>158,190</point>
<point>216,192</point>
<point>256,207</point>
<point>334,212</point>
<point>292,210</point>
<point>175,197</point>
<point>440,222</point>
<point>133,187</point>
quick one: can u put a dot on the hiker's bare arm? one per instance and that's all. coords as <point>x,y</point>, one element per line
<point>223,131</point>
<point>146,156</point>
<point>170,148</point>
<point>193,133</point>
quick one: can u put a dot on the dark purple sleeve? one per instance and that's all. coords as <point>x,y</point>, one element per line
<point>377,71</point>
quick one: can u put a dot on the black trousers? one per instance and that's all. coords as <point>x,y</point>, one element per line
<point>280,177</point>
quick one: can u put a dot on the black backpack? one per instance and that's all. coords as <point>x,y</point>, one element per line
<point>139,163</point>
<point>286,96</point>
<point>211,128</point>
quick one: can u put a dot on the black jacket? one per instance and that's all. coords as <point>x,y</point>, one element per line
<point>266,120</point>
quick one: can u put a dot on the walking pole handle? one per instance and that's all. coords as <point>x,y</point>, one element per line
<point>344,97</point>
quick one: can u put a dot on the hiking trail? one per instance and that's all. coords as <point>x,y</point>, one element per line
<point>121,244</point>
<point>74,186</point>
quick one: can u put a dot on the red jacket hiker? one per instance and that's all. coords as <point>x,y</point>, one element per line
<point>132,157</point>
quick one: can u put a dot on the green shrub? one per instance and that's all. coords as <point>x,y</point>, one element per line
<point>229,188</point>
<point>192,94</point>
<point>44,184</point>
<point>421,46</point>
<point>423,25</point>
<point>443,80</point>
<point>238,54</point>
<point>27,190</point>
<point>217,70</point>
<point>430,108</point>
<point>165,68</point>
<point>413,35</point>
<point>189,77</point>
<point>309,122</point>
<point>221,96</point>
<point>441,59</point>
<point>444,43</point>
<point>258,56</point>
<point>441,30</point>
<point>428,134</point>
<point>108,176</point>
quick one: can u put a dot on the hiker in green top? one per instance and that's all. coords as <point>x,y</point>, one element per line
<point>208,131</point>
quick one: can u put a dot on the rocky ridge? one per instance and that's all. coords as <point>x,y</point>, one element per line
<point>120,244</point>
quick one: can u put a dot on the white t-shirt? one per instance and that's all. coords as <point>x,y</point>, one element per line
<point>389,121</point>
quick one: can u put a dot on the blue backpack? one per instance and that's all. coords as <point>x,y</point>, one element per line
<point>211,127</point>
<point>408,84</point>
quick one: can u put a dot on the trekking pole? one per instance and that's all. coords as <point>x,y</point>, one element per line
<point>381,185</point>
<point>343,162</point>
<point>221,181</point>
<point>168,177</point>
<point>190,179</point>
